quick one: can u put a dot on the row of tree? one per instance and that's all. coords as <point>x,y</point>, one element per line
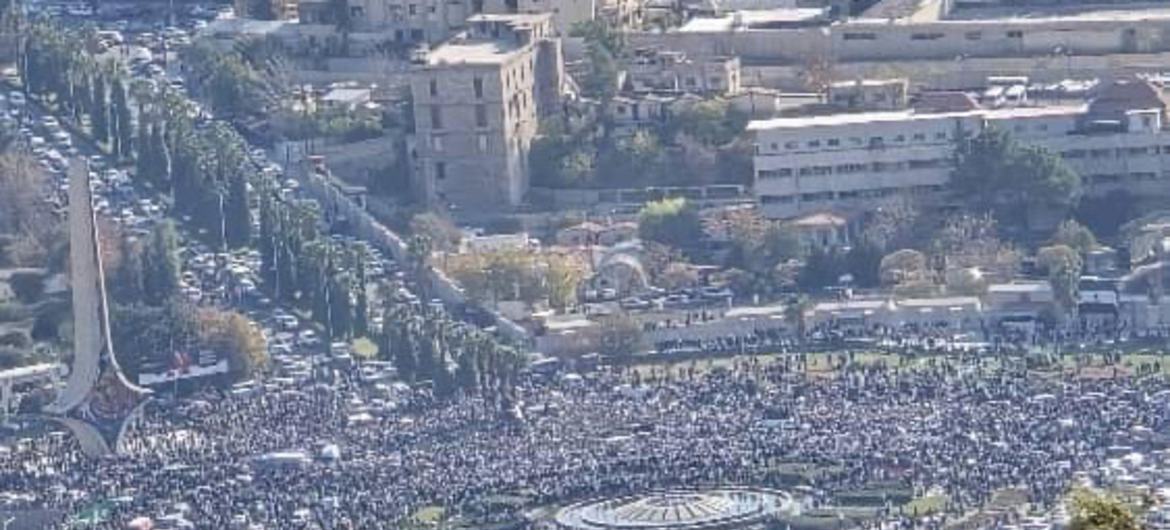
<point>425,344</point>
<point>204,168</point>
<point>301,266</point>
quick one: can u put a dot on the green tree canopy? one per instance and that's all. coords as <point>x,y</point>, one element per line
<point>1076,236</point>
<point>1092,511</point>
<point>995,173</point>
<point>1063,264</point>
<point>673,222</point>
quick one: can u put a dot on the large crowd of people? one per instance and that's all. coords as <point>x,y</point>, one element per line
<point>961,428</point>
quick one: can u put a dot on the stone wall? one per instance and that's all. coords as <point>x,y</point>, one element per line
<point>364,226</point>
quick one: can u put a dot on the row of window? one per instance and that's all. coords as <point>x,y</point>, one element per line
<point>1136,176</point>
<point>1118,152</point>
<point>481,143</point>
<point>854,168</point>
<point>476,84</point>
<point>970,35</point>
<point>825,196</point>
<point>857,141</point>
<point>481,119</point>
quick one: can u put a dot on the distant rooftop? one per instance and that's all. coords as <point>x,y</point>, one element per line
<point>861,118</point>
<point>756,19</point>
<point>472,52</point>
<point>485,43</point>
<point>999,17</point>
<point>887,9</point>
<point>1130,11</point>
<point>935,102</point>
<point>516,19</point>
<point>243,26</point>
<point>867,82</point>
<point>820,219</point>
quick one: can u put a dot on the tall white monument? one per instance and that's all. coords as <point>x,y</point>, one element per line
<point>97,403</point>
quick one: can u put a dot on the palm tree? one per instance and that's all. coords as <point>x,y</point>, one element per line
<point>794,315</point>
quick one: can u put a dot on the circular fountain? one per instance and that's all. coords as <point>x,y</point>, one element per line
<point>714,509</point>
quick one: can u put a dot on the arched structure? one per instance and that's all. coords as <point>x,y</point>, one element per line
<point>97,403</point>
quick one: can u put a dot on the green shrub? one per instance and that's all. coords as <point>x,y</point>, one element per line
<point>27,286</point>
<point>15,339</point>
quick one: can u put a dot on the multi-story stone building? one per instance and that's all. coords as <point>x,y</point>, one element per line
<point>477,103</point>
<point>399,21</point>
<point>565,13</point>
<point>1119,141</point>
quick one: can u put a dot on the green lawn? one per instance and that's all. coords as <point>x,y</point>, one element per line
<point>430,515</point>
<point>926,505</point>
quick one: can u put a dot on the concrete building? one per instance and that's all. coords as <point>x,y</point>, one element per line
<point>565,13</point>
<point>266,9</point>
<point>477,102</point>
<point>849,163</point>
<point>869,94</point>
<point>399,21</point>
<point>776,37</point>
<point>659,70</point>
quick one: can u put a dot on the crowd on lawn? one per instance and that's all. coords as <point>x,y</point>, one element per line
<point>965,429</point>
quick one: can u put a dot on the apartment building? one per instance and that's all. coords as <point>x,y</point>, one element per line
<point>400,21</point>
<point>565,13</point>
<point>266,9</point>
<point>477,103</point>
<point>850,163</point>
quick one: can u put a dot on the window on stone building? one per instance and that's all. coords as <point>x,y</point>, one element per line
<point>440,170</point>
<point>478,83</point>
<point>436,117</point>
<point>480,116</point>
<point>434,87</point>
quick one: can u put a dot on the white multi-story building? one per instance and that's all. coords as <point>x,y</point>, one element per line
<point>849,163</point>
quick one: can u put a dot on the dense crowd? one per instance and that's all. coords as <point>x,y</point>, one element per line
<point>963,429</point>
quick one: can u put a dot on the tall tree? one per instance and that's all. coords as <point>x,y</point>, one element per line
<point>1064,273</point>
<point>100,118</point>
<point>122,125</point>
<point>161,264</point>
<point>996,174</point>
<point>238,212</point>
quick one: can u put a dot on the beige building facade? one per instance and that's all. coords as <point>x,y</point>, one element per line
<point>477,104</point>
<point>399,21</point>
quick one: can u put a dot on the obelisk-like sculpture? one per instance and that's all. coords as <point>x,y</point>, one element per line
<point>97,403</point>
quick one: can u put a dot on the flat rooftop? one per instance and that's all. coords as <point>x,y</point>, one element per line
<point>1008,16</point>
<point>862,118</point>
<point>514,18</point>
<point>1128,11</point>
<point>748,19</point>
<point>472,52</point>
